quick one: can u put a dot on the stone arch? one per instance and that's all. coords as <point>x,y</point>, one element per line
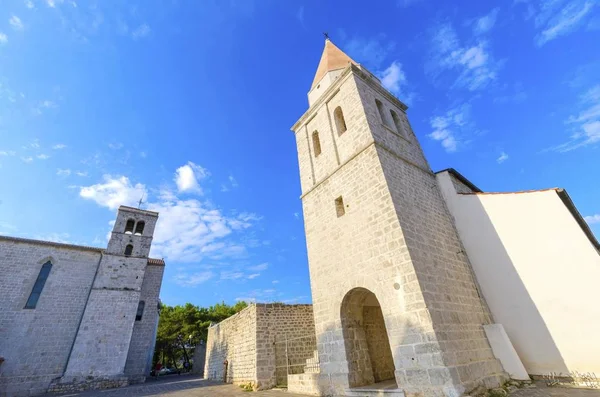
<point>368,351</point>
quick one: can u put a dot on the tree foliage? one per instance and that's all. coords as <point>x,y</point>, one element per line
<point>182,327</point>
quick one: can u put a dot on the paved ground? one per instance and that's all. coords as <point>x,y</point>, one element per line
<point>180,386</point>
<point>192,386</point>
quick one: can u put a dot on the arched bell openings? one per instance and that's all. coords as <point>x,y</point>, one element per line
<point>139,228</point>
<point>129,226</point>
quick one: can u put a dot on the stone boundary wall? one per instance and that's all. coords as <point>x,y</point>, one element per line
<point>253,343</point>
<point>234,340</point>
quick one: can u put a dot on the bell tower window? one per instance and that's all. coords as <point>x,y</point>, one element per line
<point>340,123</point>
<point>128,250</point>
<point>139,228</point>
<point>129,226</point>
<point>316,143</point>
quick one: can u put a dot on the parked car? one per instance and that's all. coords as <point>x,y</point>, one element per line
<point>168,371</point>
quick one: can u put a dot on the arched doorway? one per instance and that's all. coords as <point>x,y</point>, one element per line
<point>365,338</point>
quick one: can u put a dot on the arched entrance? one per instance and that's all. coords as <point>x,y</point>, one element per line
<point>365,338</point>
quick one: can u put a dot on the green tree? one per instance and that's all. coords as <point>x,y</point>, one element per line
<point>182,327</point>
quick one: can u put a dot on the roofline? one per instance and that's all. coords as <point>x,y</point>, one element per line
<point>151,261</point>
<point>516,192</point>
<point>566,199</point>
<point>461,178</point>
<point>51,243</point>
<point>132,209</point>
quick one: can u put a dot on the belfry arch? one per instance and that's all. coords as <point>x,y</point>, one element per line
<point>366,340</point>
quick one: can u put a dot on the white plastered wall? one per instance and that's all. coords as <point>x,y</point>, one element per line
<point>538,272</point>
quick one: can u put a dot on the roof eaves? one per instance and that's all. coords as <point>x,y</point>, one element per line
<point>566,199</point>
<point>51,243</point>
<point>461,178</point>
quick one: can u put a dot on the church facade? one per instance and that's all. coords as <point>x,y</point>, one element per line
<point>75,317</point>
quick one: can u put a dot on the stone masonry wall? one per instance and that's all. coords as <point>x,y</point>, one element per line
<point>141,348</point>
<point>275,324</point>
<point>36,342</point>
<point>392,210</point>
<point>234,340</point>
<point>378,343</point>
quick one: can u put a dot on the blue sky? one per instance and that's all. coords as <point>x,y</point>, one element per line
<point>189,103</point>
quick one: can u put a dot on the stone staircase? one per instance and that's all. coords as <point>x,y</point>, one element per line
<point>312,364</point>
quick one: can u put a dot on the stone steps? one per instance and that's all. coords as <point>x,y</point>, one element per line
<point>366,392</point>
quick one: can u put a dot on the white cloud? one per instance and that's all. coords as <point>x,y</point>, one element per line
<point>81,173</point>
<point>192,279</point>
<point>141,31</point>
<point>187,176</point>
<point>3,38</point>
<point>300,14</point>
<point>557,18</point>
<point>16,22</point>
<point>585,125</point>
<point>449,128</point>
<point>503,157</point>
<point>275,282</point>
<point>7,153</point>
<point>59,146</point>
<point>115,146</point>
<point>297,215</point>
<point>28,159</point>
<point>592,219</point>
<point>113,192</point>
<point>143,155</point>
<point>29,4</point>
<point>43,156</point>
<point>259,268</point>
<point>252,276</point>
<point>485,23</point>
<point>370,51</point>
<point>474,63</point>
<point>394,79</point>
<point>63,172</point>
<point>232,181</point>
<point>231,275</point>
<point>263,295</point>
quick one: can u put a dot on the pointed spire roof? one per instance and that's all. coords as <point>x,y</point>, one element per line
<point>332,59</point>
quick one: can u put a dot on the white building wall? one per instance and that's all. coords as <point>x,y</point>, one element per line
<point>538,271</point>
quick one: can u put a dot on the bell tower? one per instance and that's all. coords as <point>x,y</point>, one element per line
<point>396,303</point>
<point>103,339</point>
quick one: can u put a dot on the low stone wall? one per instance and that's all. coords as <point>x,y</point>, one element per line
<point>304,384</point>
<point>70,385</point>
<point>234,340</point>
<point>253,343</point>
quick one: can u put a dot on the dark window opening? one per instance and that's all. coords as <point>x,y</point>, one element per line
<point>385,119</point>
<point>340,123</point>
<point>139,228</point>
<point>38,286</point>
<point>316,143</point>
<point>128,250</point>
<point>140,311</point>
<point>129,226</point>
<point>339,206</point>
<point>397,123</point>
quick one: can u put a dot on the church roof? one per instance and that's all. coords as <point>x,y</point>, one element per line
<point>151,261</point>
<point>332,59</point>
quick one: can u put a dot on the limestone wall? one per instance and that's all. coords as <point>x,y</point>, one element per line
<point>35,343</point>
<point>141,348</point>
<point>234,340</point>
<point>276,324</point>
<point>253,342</point>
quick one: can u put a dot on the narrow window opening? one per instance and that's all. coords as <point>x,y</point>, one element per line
<point>385,119</point>
<point>139,228</point>
<point>397,123</point>
<point>316,143</point>
<point>38,286</point>
<point>339,206</point>
<point>128,250</point>
<point>129,226</point>
<point>140,311</point>
<point>340,123</point>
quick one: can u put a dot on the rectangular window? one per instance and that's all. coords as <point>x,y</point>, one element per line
<point>38,286</point>
<point>316,143</point>
<point>140,311</point>
<point>339,206</point>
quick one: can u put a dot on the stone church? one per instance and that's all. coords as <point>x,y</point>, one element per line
<point>422,284</point>
<point>75,317</point>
